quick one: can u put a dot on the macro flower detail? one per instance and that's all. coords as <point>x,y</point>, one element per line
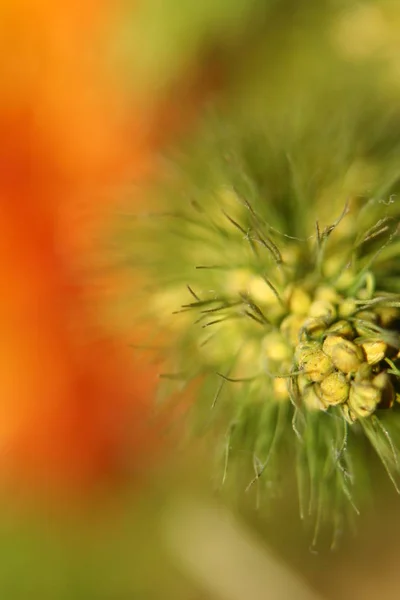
<point>346,362</point>
<point>289,329</point>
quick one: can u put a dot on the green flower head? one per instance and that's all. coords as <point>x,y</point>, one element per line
<point>282,296</point>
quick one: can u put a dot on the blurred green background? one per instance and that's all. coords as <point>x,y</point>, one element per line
<point>320,81</point>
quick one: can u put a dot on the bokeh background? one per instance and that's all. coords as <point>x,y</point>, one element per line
<point>100,499</point>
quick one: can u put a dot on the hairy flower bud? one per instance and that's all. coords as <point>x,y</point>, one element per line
<point>310,358</point>
<point>334,389</point>
<point>313,328</point>
<point>281,325</point>
<point>328,294</point>
<point>323,309</point>
<point>364,398</point>
<point>345,355</point>
<point>365,327</point>
<point>342,328</point>
<point>374,351</point>
<point>299,300</point>
<point>347,308</point>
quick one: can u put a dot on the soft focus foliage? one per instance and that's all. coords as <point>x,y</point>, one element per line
<point>98,99</point>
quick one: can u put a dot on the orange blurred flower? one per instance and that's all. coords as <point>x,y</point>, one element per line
<point>71,398</point>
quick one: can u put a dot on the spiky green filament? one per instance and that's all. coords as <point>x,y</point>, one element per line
<point>301,313</point>
<point>296,340</point>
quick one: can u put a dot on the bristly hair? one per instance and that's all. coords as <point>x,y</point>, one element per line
<point>279,287</point>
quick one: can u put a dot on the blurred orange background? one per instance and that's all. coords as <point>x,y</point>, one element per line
<point>73,398</point>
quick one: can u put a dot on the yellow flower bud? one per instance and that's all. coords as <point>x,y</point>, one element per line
<point>374,351</point>
<point>305,350</point>
<point>367,315</point>
<point>363,327</point>
<point>345,279</point>
<point>310,358</point>
<point>347,308</point>
<point>345,355</point>
<point>334,389</point>
<point>327,293</point>
<point>364,398</point>
<point>342,328</point>
<point>323,309</point>
<point>298,299</point>
<point>313,328</point>
<point>362,321</point>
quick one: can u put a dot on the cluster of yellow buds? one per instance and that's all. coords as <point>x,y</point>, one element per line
<point>338,351</point>
<point>283,331</point>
